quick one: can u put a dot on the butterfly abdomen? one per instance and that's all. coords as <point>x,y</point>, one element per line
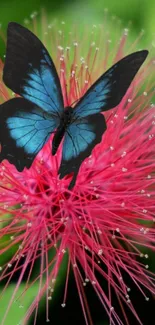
<point>57,138</point>
<point>65,120</point>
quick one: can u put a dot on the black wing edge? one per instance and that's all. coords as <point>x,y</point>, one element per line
<point>125,71</point>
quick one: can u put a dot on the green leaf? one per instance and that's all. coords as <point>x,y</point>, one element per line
<point>18,308</point>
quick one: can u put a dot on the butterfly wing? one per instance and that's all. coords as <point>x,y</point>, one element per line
<point>29,70</point>
<point>87,126</point>
<point>80,138</point>
<point>24,129</point>
<point>110,88</point>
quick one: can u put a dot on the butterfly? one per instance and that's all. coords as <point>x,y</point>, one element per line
<point>27,122</point>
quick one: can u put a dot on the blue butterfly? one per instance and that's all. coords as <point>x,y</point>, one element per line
<point>27,123</point>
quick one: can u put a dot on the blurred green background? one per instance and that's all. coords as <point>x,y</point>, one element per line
<point>141,15</point>
<point>140,12</point>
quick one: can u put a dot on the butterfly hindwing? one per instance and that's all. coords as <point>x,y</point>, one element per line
<point>29,71</point>
<point>24,129</point>
<point>80,138</point>
<point>109,89</point>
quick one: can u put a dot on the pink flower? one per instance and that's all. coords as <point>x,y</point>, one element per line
<point>108,218</point>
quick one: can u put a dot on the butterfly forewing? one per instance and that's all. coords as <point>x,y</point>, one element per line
<point>110,88</point>
<point>29,70</point>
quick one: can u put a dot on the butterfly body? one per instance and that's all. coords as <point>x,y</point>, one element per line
<point>27,123</point>
<point>64,122</point>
